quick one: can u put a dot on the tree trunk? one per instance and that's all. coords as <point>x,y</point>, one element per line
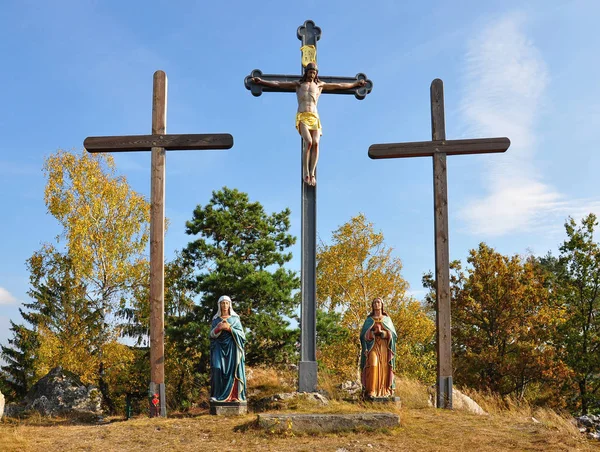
<point>584,396</point>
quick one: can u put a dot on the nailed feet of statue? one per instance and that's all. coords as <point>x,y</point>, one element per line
<point>310,180</point>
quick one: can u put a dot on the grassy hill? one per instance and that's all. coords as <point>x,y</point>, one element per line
<point>506,428</point>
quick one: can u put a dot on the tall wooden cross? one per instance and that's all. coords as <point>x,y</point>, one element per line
<point>309,34</point>
<point>158,143</point>
<point>439,148</point>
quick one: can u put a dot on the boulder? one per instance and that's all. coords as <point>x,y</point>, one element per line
<point>351,388</point>
<point>460,401</point>
<point>60,392</point>
<point>589,425</point>
<point>463,402</point>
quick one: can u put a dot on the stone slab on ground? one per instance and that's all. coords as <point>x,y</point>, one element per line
<point>228,408</point>
<point>321,423</point>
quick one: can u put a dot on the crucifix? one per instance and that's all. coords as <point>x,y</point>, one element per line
<point>439,148</point>
<point>308,89</point>
<point>158,143</point>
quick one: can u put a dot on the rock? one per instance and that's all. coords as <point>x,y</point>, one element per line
<point>284,396</point>
<point>585,421</point>
<point>589,425</point>
<point>60,392</point>
<point>317,397</point>
<point>1,405</point>
<point>13,410</point>
<point>594,435</point>
<point>351,387</point>
<point>460,401</point>
<point>317,423</point>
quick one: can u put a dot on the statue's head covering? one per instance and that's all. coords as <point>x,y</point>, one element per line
<point>231,311</point>
<point>382,306</point>
<point>311,65</point>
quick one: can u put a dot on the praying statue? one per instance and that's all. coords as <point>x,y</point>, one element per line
<point>378,349</point>
<point>308,89</point>
<point>227,359</point>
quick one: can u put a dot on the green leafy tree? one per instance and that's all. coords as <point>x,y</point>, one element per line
<point>241,251</point>
<point>577,273</point>
<point>504,322</point>
<point>179,300</point>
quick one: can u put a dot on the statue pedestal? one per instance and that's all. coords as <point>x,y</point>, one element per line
<point>393,399</point>
<point>228,408</point>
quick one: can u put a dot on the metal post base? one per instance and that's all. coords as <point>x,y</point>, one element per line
<point>444,392</point>
<point>307,376</point>
<point>161,410</point>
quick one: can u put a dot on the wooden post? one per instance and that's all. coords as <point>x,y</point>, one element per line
<point>158,143</point>
<point>439,148</point>
<point>157,237</point>
<point>442,261</point>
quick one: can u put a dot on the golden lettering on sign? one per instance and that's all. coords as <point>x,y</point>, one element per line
<point>309,54</point>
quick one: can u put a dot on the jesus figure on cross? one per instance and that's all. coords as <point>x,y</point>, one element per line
<point>308,89</point>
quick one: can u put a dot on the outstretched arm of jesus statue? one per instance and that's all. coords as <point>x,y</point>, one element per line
<point>334,86</point>
<point>285,85</point>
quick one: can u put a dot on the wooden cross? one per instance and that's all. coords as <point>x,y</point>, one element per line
<point>439,148</point>
<point>158,143</point>
<point>309,34</point>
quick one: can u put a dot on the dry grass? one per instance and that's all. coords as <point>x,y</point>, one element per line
<point>412,393</point>
<point>424,429</point>
<point>264,382</point>
<point>509,427</point>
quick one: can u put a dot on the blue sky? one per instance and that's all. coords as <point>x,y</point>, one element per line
<point>526,70</point>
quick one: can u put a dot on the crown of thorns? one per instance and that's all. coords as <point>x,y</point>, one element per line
<point>310,66</point>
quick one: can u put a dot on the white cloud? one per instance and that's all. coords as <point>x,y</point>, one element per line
<point>6,297</point>
<point>505,79</point>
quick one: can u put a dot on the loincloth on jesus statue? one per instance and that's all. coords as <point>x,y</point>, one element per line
<point>310,120</point>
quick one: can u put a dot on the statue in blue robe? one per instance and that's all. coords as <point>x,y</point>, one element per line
<point>378,350</point>
<point>227,359</point>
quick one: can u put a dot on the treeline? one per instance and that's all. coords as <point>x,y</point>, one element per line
<point>525,327</point>
<point>530,326</point>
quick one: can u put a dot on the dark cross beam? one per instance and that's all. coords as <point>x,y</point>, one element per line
<point>158,143</point>
<point>438,148</point>
<point>309,34</point>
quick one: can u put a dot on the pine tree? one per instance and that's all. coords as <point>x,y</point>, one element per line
<point>18,374</point>
<point>240,251</point>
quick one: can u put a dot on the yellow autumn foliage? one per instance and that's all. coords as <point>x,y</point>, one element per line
<point>351,271</point>
<point>76,353</point>
<point>105,223</point>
